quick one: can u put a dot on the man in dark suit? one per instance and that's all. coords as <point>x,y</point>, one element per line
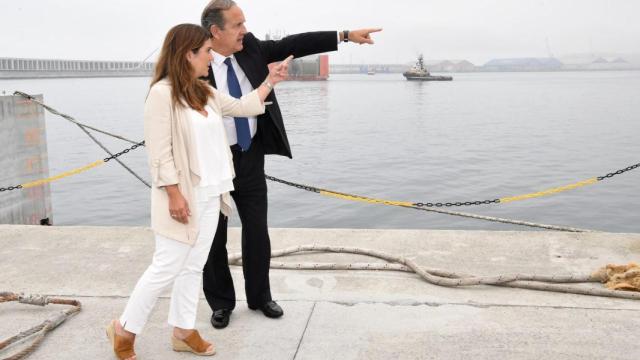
<point>240,65</point>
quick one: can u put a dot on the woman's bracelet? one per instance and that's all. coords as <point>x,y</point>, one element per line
<point>268,84</point>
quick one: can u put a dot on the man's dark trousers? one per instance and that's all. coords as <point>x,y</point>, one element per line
<point>250,197</point>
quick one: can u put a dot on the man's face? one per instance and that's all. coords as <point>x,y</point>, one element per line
<point>229,40</point>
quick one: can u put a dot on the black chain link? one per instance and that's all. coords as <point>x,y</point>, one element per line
<point>610,175</point>
<point>11,188</point>
<point>318,190</point>
<point>116,155</point>
<point>297,186</point>
<point>457,204</point>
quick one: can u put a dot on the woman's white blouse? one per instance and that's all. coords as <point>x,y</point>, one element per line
<point>216,176</point>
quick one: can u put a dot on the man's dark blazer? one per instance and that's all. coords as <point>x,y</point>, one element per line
<point>254,58</point>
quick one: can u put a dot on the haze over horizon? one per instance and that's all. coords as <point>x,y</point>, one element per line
<point>475,30</point>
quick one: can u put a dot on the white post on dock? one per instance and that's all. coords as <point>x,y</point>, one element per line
<point>23,158</point>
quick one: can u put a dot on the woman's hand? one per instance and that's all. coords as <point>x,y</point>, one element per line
<point>178,206</point>
<point>280,71</point>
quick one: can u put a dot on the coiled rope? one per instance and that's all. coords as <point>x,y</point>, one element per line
<point>38,332</point>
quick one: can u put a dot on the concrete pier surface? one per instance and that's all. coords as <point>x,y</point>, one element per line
<point>337,314</point>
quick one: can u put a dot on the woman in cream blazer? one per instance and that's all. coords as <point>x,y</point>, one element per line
<point>192,172</point>
<point>172,160</point>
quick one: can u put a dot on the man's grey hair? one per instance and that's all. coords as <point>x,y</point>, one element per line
<point>212,13</point>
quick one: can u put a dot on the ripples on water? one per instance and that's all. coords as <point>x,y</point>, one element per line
<point>482,136</point>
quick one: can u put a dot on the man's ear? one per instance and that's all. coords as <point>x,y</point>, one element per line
<point>215,31</point>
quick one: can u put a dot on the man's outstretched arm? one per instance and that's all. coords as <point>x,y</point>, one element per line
<point>361,36</point>
<point>310,43</point>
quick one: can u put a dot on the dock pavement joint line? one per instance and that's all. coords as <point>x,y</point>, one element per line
<point>305,330</point>
<point>399,303</point>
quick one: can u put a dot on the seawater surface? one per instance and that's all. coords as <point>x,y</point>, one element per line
<point>481,136</point>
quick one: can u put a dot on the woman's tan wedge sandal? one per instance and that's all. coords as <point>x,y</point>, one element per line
<point>192,343</point>
<point>122,347</point>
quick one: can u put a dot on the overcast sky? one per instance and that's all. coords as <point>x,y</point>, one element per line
<point>476,30</point>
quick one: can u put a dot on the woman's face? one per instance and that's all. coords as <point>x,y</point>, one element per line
<point>200,60</point>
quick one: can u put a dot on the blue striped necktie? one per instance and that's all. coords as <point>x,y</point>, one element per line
<point>243,132</point>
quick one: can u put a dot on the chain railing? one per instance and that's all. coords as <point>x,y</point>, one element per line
<point>71,172</point>
<point>437,207</point>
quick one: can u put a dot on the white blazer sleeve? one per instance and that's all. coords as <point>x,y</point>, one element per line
<point>157,136</point>
<point>248,105</point>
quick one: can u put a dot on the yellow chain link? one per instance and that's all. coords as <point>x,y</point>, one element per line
<point>63,175</point>
<point>365,199</point>
<point>549,191</point>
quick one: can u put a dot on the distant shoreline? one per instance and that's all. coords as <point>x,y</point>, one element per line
<point>67,75</point>
<point>70,75</point>
<point>496,71</point>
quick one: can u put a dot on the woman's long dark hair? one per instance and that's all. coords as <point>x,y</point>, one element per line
<point>174,66</point>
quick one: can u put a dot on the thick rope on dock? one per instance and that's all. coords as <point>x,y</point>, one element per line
<point>37,332</point>
<point>555,283</point>
<point>621,277</point>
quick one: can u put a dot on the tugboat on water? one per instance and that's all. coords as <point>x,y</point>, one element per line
<point>419,73</point>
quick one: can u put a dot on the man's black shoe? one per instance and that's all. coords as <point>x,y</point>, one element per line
<point>220,318</point>
<point>270,309</point>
